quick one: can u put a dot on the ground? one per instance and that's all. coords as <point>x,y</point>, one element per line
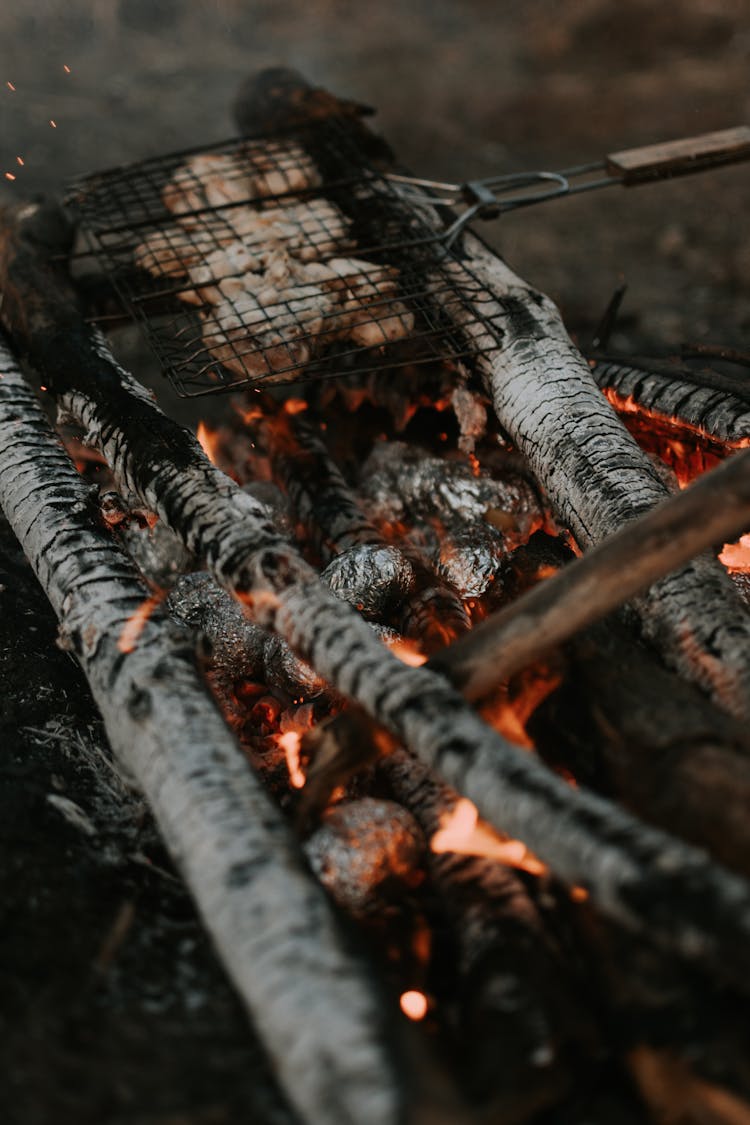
<point>105,969</point>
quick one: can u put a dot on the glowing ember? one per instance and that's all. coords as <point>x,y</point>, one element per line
<point>53,123</point>
<point>66,68</point>
<point>10,86</point>
<point>136,623</point>
<point>208,441</point>
<point>295,405</point>
<point>688,450</point>
<point>414,1004</point>
<point>290,743</point>
<point>736,556</point>
<point>19,160</point>
<point>462,831</point>
<point>408,652</point>
<point>9,176</point>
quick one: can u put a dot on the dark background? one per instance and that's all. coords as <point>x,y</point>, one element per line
<point>112,1009</point>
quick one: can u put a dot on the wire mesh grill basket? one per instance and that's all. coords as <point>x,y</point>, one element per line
<point>273,259</point>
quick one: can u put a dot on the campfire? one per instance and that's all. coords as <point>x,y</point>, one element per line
<point>424,661</point>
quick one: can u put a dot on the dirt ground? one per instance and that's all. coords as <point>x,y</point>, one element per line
<point>113,1009</point>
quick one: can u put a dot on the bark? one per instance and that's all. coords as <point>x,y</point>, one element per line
<point>246,872</point>
<point>628,727</point>
<point>716,405</point>
<point>593,472</point>
<point>715,509</point>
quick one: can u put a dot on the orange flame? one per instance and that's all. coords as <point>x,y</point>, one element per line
<point>688,450</point>
<point>295,405</point>
<point>136,623</point>
<point>290,743</point>
<point>462,831</point>
<point>413,1004</point>
<point>408,652</point>
<point>736,556</point>
<point>208,441</point>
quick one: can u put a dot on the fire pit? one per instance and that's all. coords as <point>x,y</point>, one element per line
<point>361,555</point>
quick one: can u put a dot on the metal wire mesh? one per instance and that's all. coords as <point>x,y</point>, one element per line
<point>273,259</point>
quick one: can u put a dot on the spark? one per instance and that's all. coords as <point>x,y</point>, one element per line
<point>10,86</point>
<point>52,123</point>
<point>9,176</point>
<point>66,68</point>
<point>19,160</point>
<point>414,1004</point>
<point>290,744</point>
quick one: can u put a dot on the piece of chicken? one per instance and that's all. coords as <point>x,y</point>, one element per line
<point>371,313</point>
<point>273,324</point>
<point>255,172</point>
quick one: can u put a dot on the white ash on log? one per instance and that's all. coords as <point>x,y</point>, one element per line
<point>648,880</point>
<point>235,850</point>
<point>715,405</point>
<point>596,476</point>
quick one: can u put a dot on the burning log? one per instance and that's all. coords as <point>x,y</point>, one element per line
<point>629,727</point>
<point>592,471</point>
<point>237,854</point>
<point>715,407</point>
<point>513,1023</point>
<point>714,509</point>
<point>634,873</point>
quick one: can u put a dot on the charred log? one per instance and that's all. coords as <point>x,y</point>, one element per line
<point>231,843</point>
<point>712,404</point>
<point>715,509</point>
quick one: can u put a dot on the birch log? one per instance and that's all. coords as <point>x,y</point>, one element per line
<point>710,403</point>
<point>271,924</point>
<point>646,879</point>
<point>592,470</point>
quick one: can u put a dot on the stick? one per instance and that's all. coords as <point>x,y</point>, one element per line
<point>715,509</point>
<point>270,922</point>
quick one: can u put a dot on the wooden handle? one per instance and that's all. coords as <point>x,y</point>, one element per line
<point>679,158</point>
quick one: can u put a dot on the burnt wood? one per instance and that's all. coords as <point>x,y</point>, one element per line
<point>238,856</point>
